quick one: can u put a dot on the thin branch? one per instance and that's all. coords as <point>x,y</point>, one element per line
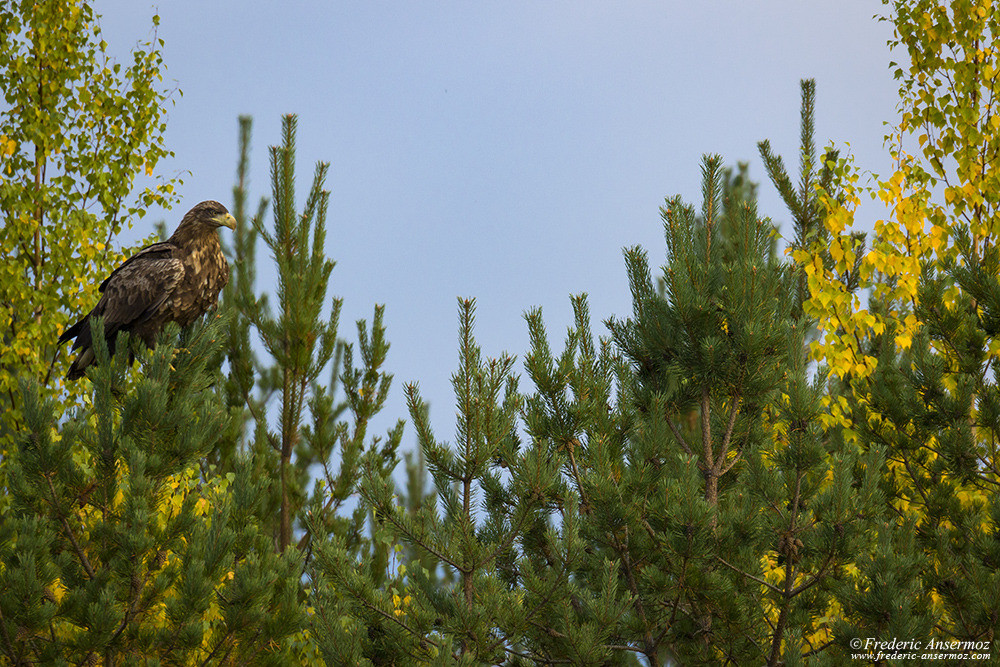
<point>69,531</point>
<point>706,426</point>
<point>822,647</point>
<point>418,542</point>
<point>576,472</point>
<point>815,578</point>
<point>536,659</point>
<point>760,581</point>
<point>6,640</point>
<point>397,621</point>
<point>732,462</point>
<point>680,439</point>
<point>505,544</point>
<point>544,599</point>
<point>730,425</point>
<point>637,600</point>
<point>218,645</point>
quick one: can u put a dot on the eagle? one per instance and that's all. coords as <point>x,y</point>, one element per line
<point>176,280</point>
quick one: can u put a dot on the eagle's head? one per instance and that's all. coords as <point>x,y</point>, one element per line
<point>207,216</point>
<point>211,214</point>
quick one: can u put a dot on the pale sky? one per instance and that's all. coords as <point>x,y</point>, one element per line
<point>506,151</point>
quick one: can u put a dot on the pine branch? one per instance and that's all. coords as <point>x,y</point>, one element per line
<point>779,631</point>
<point>544,599</point>
<point>417,540</point>
<point>762,582</point>
<point>706,426</point>
<point>16,658</point>
<point>680,438</point>
<point>821,648</point>
<point>512,535</point>
<point>223,640</point>
<point>570,446</point>
<point>733,461</point>
<point>807,155</point>
<point>397,620</point>
<point>677,600</point>
<point>775,168</point>
<point>731,423</point>
<point>816,578</point>
<point>650,648</point>
<point>84,561</point>
<point>534,658</point>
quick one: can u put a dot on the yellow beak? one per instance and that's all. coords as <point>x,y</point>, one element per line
<point>225,220</point>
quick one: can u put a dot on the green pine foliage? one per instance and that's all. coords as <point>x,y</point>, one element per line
<point>116,548</point>
<point>712,344</point>
<point>678,496</point>
<point>938,421</point>
<point>475,614</point>
<point>805,203</point>
<point>308,427</point>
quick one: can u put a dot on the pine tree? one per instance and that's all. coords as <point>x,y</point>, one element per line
<point>916,359</point>
<point>116,548</point>
<point>806,203</point>
<point>711,480</point>
<point>302,345</point>
<point>713,341</point>
<point>491,579</point>
<point>934,409</point>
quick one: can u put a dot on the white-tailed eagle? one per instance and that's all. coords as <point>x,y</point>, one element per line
<point>177,280</point>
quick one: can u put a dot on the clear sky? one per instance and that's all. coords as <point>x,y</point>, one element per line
<point>502,150</point>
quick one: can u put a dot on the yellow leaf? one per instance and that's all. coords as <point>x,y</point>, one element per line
<point>836,251</point>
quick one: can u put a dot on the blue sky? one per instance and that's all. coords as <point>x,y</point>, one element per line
<point>502,150</point>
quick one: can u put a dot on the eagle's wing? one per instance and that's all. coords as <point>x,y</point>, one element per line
<point>132,293</point>
<point>138,288</point>
<point>162,250</point>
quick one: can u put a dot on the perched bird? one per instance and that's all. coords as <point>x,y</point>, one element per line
<point>176,280</point>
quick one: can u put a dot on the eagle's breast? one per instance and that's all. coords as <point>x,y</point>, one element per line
<point>206,272</point>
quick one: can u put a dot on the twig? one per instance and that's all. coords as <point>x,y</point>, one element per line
<point>546,661</point>
<point>680,439</point>
<point>822,647</point>
<point>760,581</point>
<point>815,579</point>
<point>735,459</point>
<point>69,531</point>
<point>627,565</point>
<point>441,556</point>
<point>570,445</point>
<point>48,373</point>
<point>398,622</point>
<point>706,426</point>
<point>6,640</point>
<point>733,411</point>
<point>217,647</point>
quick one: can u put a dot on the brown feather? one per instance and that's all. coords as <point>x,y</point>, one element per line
<point>177,280</point>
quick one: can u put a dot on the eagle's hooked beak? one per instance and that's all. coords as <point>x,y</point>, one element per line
<point>225,220</point>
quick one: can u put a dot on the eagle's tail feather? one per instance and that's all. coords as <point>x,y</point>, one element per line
<point>75,330</point>
<point>84,359</point>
